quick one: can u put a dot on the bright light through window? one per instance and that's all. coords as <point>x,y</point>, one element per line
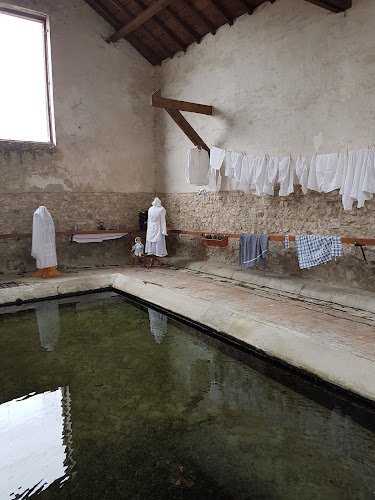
<point>24,109</point>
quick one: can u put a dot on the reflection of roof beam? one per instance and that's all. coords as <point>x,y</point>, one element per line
<point>215,4</point>
<point>177,41</point>
<point>211,28</point>
<point>333,5</point>
<point>146,52</point>
<point>153,8</point>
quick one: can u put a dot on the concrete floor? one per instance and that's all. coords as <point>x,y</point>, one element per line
<point>323,337</point>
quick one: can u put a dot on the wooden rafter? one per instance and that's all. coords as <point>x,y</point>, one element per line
<point>175,39</point>
<point>153,8</point>
<point>215,4</point>
<point>172,107</point>
<point>191,31</point>
<point>211,28</point>
<point>155,40</point>
<point>133,40</point>
<point>247,6</point>
<point>333,5</point>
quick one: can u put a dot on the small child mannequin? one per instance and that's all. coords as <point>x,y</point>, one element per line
<point>138,248</point>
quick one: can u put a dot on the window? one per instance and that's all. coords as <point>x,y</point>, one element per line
<point>25,83</point>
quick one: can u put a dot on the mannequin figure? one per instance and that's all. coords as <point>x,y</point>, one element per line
<point>43,247</point>
<point>156,232</point>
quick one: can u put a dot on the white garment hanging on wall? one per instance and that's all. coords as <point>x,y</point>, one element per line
<point>43,247</point>
<point>197,166</point>
<point>271,175</point>
<point>362,189</point>
<point>302,172</point>
<point>326,172</point>
<point>246,177</point>
<point>217,156</point>
<point>233,165</point>
<point>286,176</point>
<point>156,230</point>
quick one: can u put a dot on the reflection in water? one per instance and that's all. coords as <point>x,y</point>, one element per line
<point>33,432</point>
<point>158,324</point>
<point>47,315</point>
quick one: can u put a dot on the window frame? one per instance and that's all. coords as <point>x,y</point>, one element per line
<point>44,19</point>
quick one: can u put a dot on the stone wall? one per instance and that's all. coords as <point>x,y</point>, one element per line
<point>234,212</point>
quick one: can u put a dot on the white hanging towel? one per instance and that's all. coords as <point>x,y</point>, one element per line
<point>259,175</point>
<point>326,172</point>
<point>368,184</point>
<point>214,180</point>
<point>217,156</point>
<point>286,176</point>
<point>156,230</point>
<point>272,169</point>
<point>196,167</point>
<point>302,172</point>
<point>43,247</point>
<point>233,165</point>
<point>246,177</point>
<point>362,188</point>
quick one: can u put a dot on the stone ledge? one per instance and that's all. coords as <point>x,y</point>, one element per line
<point>345,297</point>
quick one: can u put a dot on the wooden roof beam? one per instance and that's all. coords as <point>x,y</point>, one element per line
<point>215,4</point>
<point>162,102</point>
<point>211,28</point>
<point>153,8</point>
<point>191,31</point>
<point>187,128</point>
<point>157,42</point>
<point>246,5</point>
<point>175,39</point>
<point>145,51</point>
<point>333,5</point>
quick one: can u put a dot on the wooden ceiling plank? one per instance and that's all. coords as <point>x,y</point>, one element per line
<point>159,44</point>
<point>147,53</point>
<point>175,39</point>
<point>211,28</point>
<point>188,29</point>
<point>162,102</point>
<point>154,7</point>
<point>187,128</point>
<point>215,5</point>
<point>333,5</point>
<point>247,6</point>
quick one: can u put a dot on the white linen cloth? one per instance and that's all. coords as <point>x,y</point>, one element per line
<point>96,238</point>
<point>233,165</point>
<point>156,230</point>
<point>286,176</point>
<point>246,177</point>
<point>326,172</point>
<point>358,182</point>
<point>196,167</point>
<point>43,247</point>
<point>217,156</point>
<point>214,180</point>
<point>302,172</point>
<point>259,174</point>
<point>271,174</point>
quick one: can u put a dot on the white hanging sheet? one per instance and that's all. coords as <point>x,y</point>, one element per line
<point>196,167</point>
<point>217,156</point>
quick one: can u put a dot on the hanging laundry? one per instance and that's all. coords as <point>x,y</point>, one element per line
<point>246,177</point>
<point>217,156</point>
<point>326,172</point>
<point>252,249</point>
<point>196,167</point>
<point>271,174</point>
<point>214,180</point>
<point>259,174</point>
<point>314,250</point>
<point>287,242</point>
<point>368,184</point>
<point>362,187</point>
<point>302,172</point>
<point>233,165</point>
<point>286,176</point>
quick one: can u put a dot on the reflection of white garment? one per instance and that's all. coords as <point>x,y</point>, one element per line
<point>233,165</point>
<point>48,319</point>
<point>216,157</point>
<point>326,173</point>
<point>43,247</point>
<point>286,176</point>
<point>302,172</point>
<point>156,230</point>
<point>196,167</point>
<point>158,324</point>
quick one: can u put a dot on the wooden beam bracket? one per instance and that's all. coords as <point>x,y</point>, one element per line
<point>333,5</point>
<point>173,108</point>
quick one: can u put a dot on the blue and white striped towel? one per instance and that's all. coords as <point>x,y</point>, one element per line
<point>313,250</point>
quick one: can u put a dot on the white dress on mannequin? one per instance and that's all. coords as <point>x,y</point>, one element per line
<point>156,230</point>
<point>43,247</point>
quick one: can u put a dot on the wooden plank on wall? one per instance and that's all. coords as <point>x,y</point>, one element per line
<point>162,102</point>
<point>187,128</point>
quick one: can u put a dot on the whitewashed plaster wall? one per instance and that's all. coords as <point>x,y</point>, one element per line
<point>291,78</point>
<point>104,124</point>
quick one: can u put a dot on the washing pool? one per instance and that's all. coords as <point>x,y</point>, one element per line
<point>104,398</point>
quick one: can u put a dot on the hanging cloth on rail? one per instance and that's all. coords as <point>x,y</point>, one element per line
<point>326,172</point>
<point>252,249</point>
<point>246,177</point>
<point>302,172</point>
<point>197,166</point>
<point>233,165</point>
<point>314,250</point>
<point>286,176</point>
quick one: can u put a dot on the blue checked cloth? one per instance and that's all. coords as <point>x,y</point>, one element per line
<point>313,250</point>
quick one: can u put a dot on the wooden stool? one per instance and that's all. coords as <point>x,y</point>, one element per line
<point>135,258</point>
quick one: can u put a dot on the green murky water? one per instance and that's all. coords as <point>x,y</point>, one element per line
<point>100,399</point>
